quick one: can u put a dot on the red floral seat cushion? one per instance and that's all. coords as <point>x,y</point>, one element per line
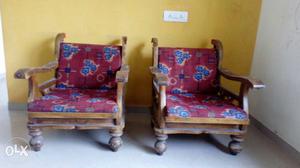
<point>202,106</point>
<point>76,100</point>
<point>189,70</point>
<point>88,66</point>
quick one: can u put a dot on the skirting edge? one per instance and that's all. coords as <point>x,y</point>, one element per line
<point>277,139</point>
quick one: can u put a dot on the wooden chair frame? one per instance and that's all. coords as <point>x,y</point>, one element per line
<point>164,125</point>
<point>79,120</point>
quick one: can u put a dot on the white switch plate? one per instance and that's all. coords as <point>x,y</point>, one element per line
<point>175,16</point>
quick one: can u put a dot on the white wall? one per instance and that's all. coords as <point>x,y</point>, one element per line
<point>277,63</point>
<point>2,62</point>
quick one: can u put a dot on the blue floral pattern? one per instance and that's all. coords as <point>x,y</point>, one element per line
<point>61,86</point>
<point>163,69</point>
<point>179,111</point>
<point>63,108</point>
<point>178,105</point>
<point>234,114</point>
<point>191,69</point>
<point>109,53</point>
<point>71,109</point>
<point>79,61</point>
<point>75,100</point>
<point>181,56</point>
<point>94,100</point>
<point>190,95</point>
<point>69,51</point>
<point>178,91</point>
<point>172,97</point>
<point>89,68</point>
<point>50,97</point>
<point>105,87</point>
<point>202,72</point>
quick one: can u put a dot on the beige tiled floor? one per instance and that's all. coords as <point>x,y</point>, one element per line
<point>88,148</point>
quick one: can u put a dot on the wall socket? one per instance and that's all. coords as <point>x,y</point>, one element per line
<point>175,16</point>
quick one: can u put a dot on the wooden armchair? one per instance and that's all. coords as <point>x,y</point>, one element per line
<point>87,91</point>
<point>189,97</point>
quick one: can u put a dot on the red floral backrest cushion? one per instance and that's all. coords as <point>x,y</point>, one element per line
<point>189,70</point>
<point>88,66</point>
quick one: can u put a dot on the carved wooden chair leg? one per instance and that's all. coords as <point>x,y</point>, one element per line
<point>36,141</point>
<point>161,143</point>
<point>234,145</point>
<point>115,141</point>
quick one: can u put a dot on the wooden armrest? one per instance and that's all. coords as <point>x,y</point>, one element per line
<point>159,78</point>
<point>253,83</point>
<point>26,73</point>
<point>45,86</point>
<point>122,75</point>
